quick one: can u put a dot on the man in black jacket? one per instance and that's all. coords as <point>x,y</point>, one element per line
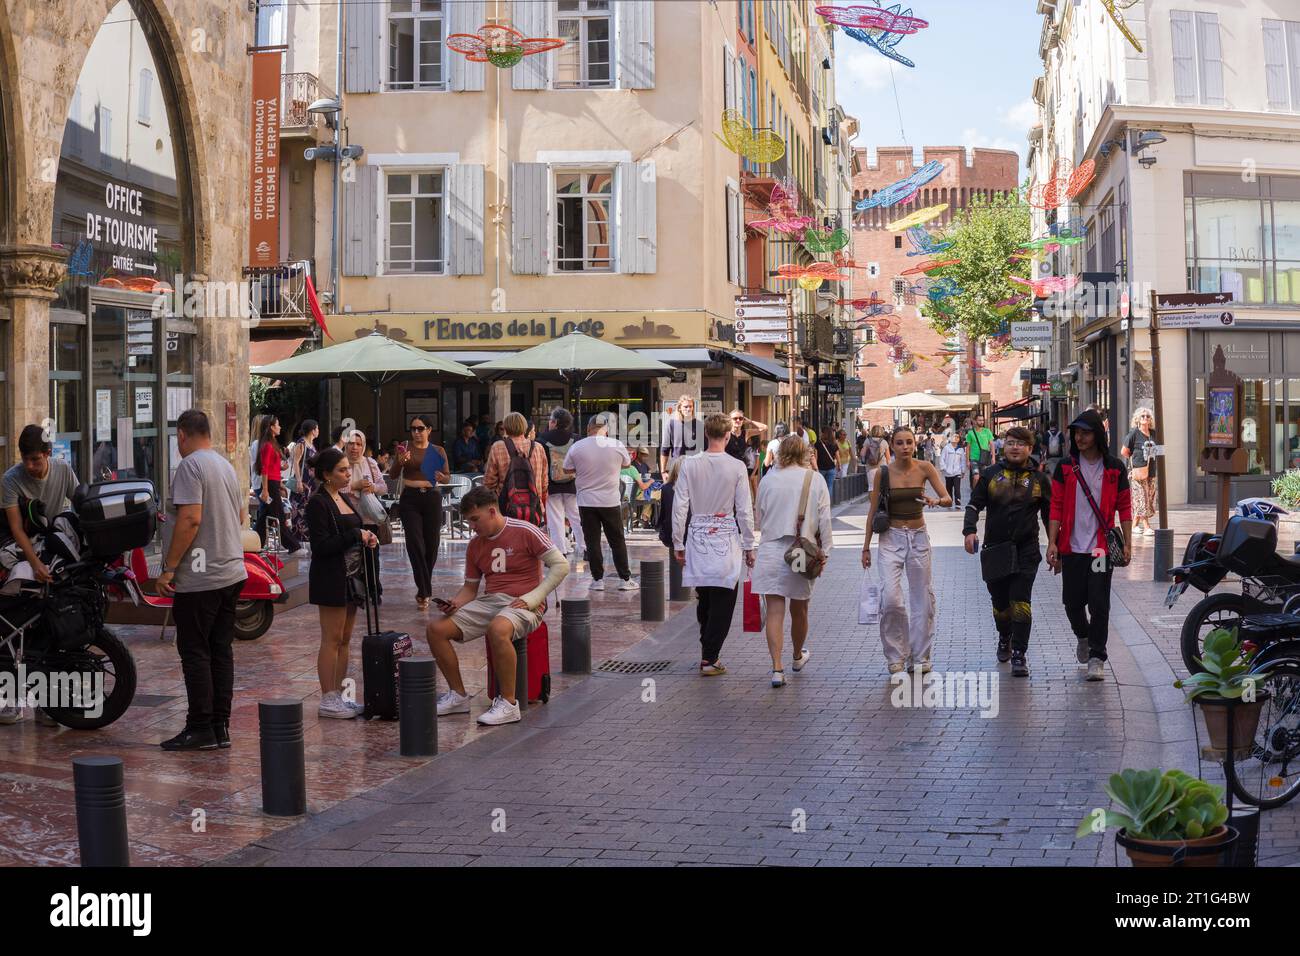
<point>1017,496</point>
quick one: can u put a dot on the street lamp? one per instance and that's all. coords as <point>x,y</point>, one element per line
<point>330,108</point>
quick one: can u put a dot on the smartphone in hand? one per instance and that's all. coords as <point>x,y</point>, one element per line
<point>443,605</point>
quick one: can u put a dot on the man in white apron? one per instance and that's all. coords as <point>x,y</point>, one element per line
<point>713,523</point>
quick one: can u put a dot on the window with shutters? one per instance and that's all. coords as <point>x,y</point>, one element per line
<point>414,228</point>
<point>584,60</point>
<point>1282,64</point>
<point>1198,58</point>
<point>584,220</point>
<point>415,52</point>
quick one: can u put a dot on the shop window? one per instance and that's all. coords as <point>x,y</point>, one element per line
<point>415,50</point>
<point>584,60</point>
<point>583,206</point>
<point>414,231</point>
<point>1229,248</point>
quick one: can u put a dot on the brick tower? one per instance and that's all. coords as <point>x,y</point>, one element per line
<point>884,255</point>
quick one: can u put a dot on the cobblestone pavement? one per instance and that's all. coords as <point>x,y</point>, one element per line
<point>344,758</point>
<point>724,770</point>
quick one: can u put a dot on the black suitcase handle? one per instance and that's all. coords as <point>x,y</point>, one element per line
<point>371,593</point>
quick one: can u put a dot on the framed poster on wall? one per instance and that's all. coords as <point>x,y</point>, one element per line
<point>423,402</point>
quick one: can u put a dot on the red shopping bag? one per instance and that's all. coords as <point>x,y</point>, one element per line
<point>753,609</point>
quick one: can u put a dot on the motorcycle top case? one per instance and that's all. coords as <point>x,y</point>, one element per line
<point>116,516</point>
<point>1248,545</point>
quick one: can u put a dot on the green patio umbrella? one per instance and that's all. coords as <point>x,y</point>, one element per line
<point>374,359</point>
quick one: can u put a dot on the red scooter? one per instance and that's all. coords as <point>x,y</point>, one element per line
<point>263,589</point>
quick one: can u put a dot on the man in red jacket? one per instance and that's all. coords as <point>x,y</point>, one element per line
<point>1088,488</point>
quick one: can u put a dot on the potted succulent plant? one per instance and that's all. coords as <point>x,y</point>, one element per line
<point>1164,819</point>
<point>1228,688</point>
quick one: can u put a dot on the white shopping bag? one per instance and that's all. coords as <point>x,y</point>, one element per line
<point>869,600</point>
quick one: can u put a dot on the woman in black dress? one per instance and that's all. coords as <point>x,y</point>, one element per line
<point>334,587</point>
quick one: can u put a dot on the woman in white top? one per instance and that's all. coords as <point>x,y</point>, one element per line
<point>776,516</point>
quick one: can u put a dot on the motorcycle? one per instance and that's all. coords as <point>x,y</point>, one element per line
<point>1247,548</point>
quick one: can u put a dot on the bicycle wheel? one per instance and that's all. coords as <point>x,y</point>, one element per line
<point>1269,775</point>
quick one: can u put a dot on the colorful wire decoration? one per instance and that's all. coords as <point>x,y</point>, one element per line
<point>860,303</point>
<point>762,146</point>
<point>1062,185</point>
<point>1050,285</point>
<point>918,218</point>
<point>872,18</point>
<point>810,277</point>
<point>783,211</point>
<point>882,29</point>
<point>904,189</point>
<point>500,44</point>
<point>929,266</point>
<point>924,243</point>
<point>822,243</point>
<point>1113,7</point>
<point>1072,228</point>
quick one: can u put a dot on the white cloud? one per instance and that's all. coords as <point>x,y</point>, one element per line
<point>973,137</point>
<point>864,69</point>
<point>1021,116</point>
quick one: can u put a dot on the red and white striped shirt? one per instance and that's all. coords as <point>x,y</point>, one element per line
<point>510,561</point>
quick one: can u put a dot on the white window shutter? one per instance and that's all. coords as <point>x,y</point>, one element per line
<point>1184,56</point>
<point>733,258</point>
<point>635,234</point>
<point>464,16</point>
<point>364,58</point>
<point>728,79</point>
<point>1275,64</point>
<point>464,191</point>
<point>634,23</point>
<point>532,18</point>
<point>1210,58</point>
<point>360,225</point>
<point>1293,48</point>
<point>529,204</point>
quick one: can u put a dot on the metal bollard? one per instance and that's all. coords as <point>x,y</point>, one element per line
<point>284,768</point>
<point>652,590</point>
<point>101,811</point>
<point>575,636</point>
<point>676,590</point>
<point>521,672</point>
<point>1164,555</point>
<point>417,711</point>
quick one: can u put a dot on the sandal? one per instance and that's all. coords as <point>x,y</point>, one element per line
<point>422,604</point>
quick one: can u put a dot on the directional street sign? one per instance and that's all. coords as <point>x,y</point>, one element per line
<point>1193,300</point>
<point>774,337</point>
<point>1196,320</point>
<point>761,325</point>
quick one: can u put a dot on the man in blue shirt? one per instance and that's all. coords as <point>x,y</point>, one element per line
<point>466,453</point>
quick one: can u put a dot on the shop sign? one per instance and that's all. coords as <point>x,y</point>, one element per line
<point>520,330</point>
<point>1058,387</point>
<point>834,384</point>
<point>1030,335</point>
<point>711,400</point>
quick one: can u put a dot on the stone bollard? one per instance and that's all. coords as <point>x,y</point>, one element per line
<point>1164,554</point>
<point>652,590</point>
<point>575,636</point>
<point>417,711</point>
<point>676,590</point>
<point>100,794</point>
<point>284,767</point>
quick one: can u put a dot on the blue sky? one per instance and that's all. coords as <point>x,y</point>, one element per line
<point>975,67</point>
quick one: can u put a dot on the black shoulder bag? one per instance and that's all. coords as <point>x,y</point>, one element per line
<point>880,524</point>
<point>1114,536</point>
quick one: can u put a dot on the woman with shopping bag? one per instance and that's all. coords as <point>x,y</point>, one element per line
<point>713,536</point>
<point>794,516</point>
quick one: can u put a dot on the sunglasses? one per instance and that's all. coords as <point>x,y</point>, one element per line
<point>418,428</point>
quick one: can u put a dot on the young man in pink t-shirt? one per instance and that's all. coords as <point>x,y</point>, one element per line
<point>508,555</point>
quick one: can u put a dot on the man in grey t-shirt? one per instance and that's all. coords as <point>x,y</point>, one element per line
<point>38,478</point>
<point>203,566</point>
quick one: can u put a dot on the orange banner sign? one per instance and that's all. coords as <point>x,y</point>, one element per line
<point>264,170</point>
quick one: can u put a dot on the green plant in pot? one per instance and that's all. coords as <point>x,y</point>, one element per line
<point>1164,819</point>
<point>1228,688</point>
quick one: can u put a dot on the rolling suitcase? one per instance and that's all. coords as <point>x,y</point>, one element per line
<point>539,667</point>
<point>380,652</point>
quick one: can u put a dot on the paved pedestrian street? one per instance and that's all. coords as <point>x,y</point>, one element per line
<point>664,767</point>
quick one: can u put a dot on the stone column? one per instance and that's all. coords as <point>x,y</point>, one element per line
<point>28,277</point>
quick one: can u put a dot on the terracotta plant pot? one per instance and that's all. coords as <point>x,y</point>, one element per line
<point>1209,850</point>
<point>1245,721</point>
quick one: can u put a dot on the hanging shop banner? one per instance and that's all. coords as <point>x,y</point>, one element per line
<point>264,168</point>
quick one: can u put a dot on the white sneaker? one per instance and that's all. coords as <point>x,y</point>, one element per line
<point>356,705</point>
<point>333,705</point>
<point>597,585</point>
<point>502,712</point>
<point>778,678</point>
<point>452,703</point>
<point>801,660</point>
<point>1096,669</point>
<point>11,714</point>
<point>629,585</point>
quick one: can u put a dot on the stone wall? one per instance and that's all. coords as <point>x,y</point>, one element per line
<point>199,51</point>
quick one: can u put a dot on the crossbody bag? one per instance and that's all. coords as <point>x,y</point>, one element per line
<point>804,557</point>
<point>1114,536</point>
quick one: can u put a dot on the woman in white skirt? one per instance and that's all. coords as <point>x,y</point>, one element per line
<point>777,517</point>
<point>906,631</point>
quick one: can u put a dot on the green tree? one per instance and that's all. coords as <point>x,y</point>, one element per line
<point>985,237</point>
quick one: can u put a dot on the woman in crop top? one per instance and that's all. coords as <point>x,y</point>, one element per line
<point>420,506</point>
<point>906,630</point>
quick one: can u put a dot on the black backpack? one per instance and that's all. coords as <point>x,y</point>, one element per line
<point>519,495</point>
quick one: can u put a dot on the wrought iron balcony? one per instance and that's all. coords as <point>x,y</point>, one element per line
<point>278,293</point>
<point>297,92</point>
